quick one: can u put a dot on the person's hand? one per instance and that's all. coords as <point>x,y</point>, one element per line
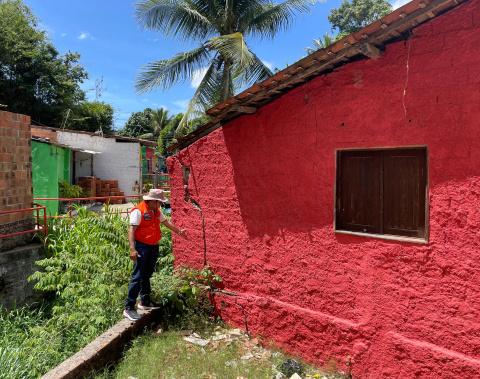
<point>183,233</point>
<point>134,254</point>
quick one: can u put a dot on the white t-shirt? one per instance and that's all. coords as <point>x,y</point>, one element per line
<point>136,217</point>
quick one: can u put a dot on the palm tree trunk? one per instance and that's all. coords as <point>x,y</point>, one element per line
<point>228,15</point>
<point>228,61</point>
<point>225,80</point>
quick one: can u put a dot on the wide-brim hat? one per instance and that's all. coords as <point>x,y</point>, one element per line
<point>155,194</point>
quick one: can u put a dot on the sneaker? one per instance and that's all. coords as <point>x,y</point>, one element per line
<point>148,305</point>
<point>131,314</point>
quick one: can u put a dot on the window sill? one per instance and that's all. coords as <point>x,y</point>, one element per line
<point>390,237</point>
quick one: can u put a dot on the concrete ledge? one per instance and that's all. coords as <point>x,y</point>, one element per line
<point>105,349</point>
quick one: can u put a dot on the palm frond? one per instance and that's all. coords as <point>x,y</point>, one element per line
<point>206,95</point>
<point>232,46</point>
<point>160,119</point>
<point>165,73</point>
<point>248,76</point>
<point>321,43</point>
<point>176,18</point>
<point>276,17</point>
<point>149,136</point>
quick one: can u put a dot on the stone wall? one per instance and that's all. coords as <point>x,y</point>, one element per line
<point>16,191</point>
<point>16,266</point>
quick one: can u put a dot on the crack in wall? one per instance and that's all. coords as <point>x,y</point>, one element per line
<point>232,294</point>
<point>186,172</point>
<point>310,104</point>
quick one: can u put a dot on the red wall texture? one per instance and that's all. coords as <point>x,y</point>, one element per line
<point>265,187</point>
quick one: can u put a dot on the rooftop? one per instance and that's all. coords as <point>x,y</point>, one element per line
<point>142,142</point>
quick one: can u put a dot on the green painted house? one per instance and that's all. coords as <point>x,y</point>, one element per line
<point>50,164</point>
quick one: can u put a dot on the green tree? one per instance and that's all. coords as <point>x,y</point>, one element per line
<point>167,135</point>
<point>352,16</point>
<point>225,56</point>
<point>321,43</point>
<point>34,78</point>
<point>159,119</point>
<point>138,123</point>
<point>171,132</point>
<point>91,116</point>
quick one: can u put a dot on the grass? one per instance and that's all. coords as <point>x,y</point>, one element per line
<point>169,356</point>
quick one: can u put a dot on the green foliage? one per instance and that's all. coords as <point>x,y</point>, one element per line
<point>205,276</point>
<point>320,43</point>
<point>34,78</point>
<point>87,274</point>
<point>68,191</point>
<point>352,16</point>
<point>172,131</point>
<point>222,54</point>
<point>184,294</point>
<point>166,257</point>
<point>159,119</point>
<point>91,117</point>
<point>19,358</point>
<point>138,123</point>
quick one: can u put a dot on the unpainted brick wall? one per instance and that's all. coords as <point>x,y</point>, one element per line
<point>16,189</point>
<point>44,133</point>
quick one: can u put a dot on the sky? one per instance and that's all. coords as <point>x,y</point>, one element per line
<point>113,48</point>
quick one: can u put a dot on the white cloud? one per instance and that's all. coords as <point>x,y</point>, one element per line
<point>181,104</point>
<point>398,3</point>
<point>197,77</point>
<point>84,35</point>
<point>268,64</point>
<point>63,34</point>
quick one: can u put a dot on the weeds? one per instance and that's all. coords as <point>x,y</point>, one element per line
<point>225,357</point>
<point>87,272</point>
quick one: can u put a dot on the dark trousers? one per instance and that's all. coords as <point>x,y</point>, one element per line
<point>142,272</point>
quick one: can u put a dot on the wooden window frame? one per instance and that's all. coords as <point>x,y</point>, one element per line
<point>377,231</point>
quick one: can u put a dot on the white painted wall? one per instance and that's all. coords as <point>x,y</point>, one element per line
<point>118,160</point>
<point>83,164</point>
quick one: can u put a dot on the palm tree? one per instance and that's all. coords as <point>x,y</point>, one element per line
<point>220,28</point>
<point>321,43</point>
<point>158,120</point>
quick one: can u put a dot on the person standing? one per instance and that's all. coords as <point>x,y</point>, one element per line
<point>143,235</point>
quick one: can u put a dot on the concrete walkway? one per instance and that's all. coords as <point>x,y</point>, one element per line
<point>100,208</point>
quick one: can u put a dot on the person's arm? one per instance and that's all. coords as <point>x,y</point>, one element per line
<point>131,239</point>
<point>175,229</point>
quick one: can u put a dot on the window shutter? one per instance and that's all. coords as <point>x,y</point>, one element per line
<point>404,187</point>
<point>359,200</point>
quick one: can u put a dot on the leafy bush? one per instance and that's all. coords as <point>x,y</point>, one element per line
<point>87,272</point>
<point>68,191</point>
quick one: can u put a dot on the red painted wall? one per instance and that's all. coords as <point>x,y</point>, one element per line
<point>265,186</point>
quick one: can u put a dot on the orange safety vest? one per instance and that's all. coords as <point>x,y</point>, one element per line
<point>148,231</point>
